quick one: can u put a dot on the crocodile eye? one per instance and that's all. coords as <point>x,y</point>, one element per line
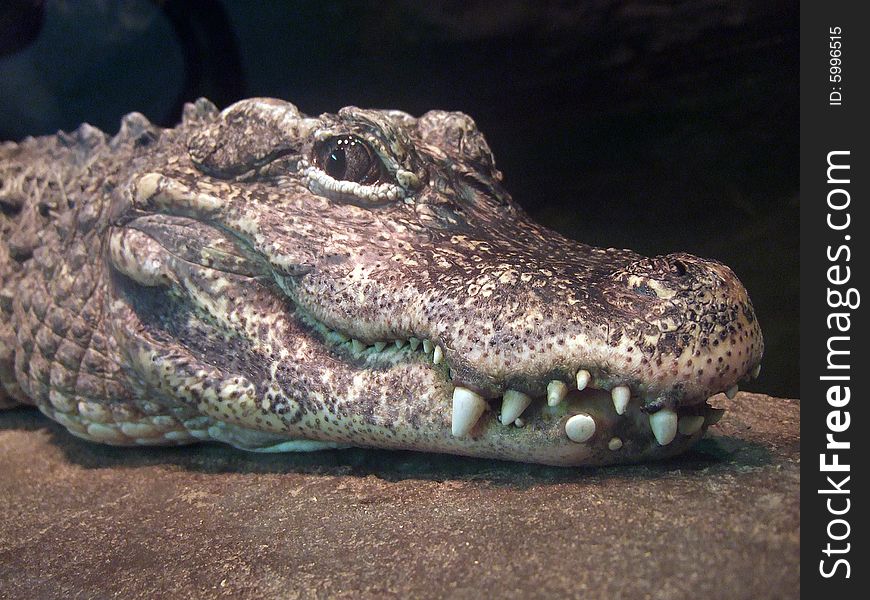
<point>348,158</point>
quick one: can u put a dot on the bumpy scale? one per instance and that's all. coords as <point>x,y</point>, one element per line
<point>281,282</point>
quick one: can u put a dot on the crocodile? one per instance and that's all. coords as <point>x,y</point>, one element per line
<point>280,282</point>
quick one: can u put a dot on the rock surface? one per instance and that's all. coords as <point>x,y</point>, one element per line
<point>79,520</point>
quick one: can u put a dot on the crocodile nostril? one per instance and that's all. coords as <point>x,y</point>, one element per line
<point>678,268</point>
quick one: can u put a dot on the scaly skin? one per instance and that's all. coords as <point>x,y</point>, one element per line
<point>280,282</point>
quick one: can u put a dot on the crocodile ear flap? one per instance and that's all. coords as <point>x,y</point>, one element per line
<point>248,135</point>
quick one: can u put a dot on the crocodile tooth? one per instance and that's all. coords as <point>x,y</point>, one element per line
<point>357,346</point>
<point>556,392</point>
<point>427,346</point>
<point>620,395</point>
<point>512,405</point>
<point>756,371</point>
<point>399,344</point>
<point>467,408</point>
<point>664,426</point>
<point>415,343</point>
<point>580,428</point>
<point>341,337</point>
<point>731,392</point>
<point>614,444</point>
<point>583,377</point>
<point>438,355</point>
<point>690,424</point>
<point>714,415</point>
<point>379,346</point>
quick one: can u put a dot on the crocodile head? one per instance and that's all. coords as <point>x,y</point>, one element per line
<point>363,278</point>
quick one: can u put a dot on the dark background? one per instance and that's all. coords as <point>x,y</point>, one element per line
<point>658,126</point>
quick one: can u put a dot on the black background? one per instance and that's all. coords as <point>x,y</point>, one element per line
<point>658,126</point>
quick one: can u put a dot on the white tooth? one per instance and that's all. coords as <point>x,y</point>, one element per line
<point>438,355</point>
<point>467,408</point>
<point>714,415</point>
<point>415,343</point>
<point>732,391</point>
<point>583,377</point>
<point>690,424</point>
<point>379,346</point>
<point>620,395</point>
<point>357,346</point>
<point>519,423</point>
<point>427,346</point>
<point>339,336</point>
<point>615,443</point>
<point>512,406</point>
<point>756,371</point>
<point>556,392</point>
<point>664,426</point>
<point>580,428</point>
<point>399,344</point>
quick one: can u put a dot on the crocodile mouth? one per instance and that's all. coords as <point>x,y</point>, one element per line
<point>586,406</point>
